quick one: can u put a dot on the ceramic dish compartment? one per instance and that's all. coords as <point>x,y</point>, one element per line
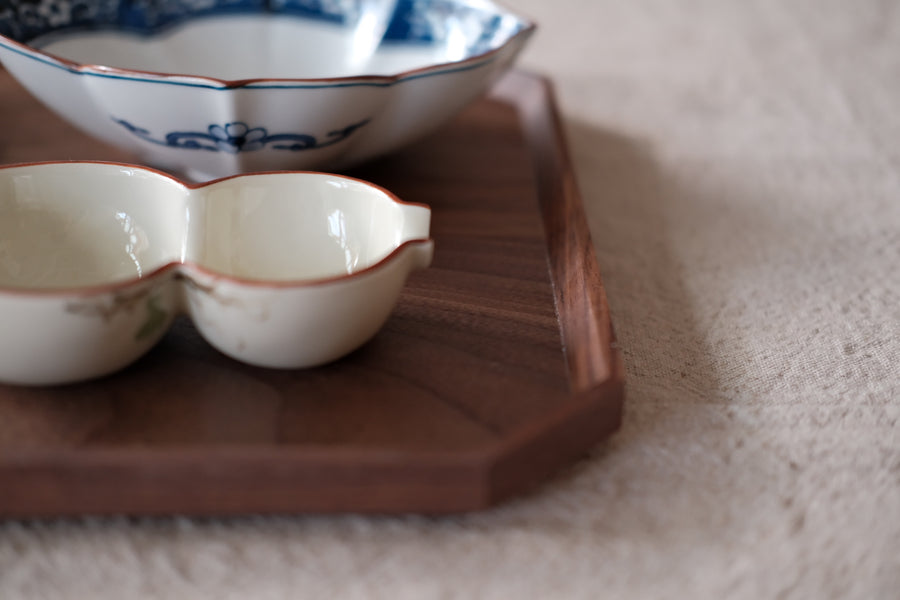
<point>282,270</point>
<point>218,87</point>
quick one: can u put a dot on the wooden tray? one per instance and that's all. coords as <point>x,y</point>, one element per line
<point>497,368</point>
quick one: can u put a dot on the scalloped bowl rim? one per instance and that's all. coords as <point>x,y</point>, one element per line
<point>527,28</point>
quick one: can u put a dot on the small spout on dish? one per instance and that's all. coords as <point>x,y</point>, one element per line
<point>415,229</point>
<point>422,252</point>
<point>416,222</point>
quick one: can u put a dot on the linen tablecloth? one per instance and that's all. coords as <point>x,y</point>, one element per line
<point>740,164</point>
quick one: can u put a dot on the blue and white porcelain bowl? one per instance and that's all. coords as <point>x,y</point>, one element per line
<point>213,88</point>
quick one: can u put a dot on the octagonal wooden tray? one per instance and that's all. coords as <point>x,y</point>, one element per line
<point>497,368</point>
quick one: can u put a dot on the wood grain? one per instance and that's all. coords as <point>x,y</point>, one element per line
<point>497,368</point>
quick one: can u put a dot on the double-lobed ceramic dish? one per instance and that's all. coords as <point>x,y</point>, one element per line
<point>212,88</point>
<point>282,270</point>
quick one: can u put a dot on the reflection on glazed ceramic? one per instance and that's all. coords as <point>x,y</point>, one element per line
<point>218,87</point>
<point>281,270</point>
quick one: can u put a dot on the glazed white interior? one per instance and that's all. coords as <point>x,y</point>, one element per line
<point>80,227</point>
<point>308,227</point>
<point>255,46</point>
<point>85,225</point>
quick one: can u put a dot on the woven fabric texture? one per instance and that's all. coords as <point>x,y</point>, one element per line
<point>740,164</point>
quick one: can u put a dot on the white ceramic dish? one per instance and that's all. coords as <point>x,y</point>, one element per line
<point>283,270</point>
<point>217,87</point>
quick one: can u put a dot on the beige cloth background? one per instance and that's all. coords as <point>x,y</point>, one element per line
<point>741,165</point>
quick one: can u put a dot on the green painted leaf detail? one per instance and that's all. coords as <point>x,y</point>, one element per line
<point>156,318</point>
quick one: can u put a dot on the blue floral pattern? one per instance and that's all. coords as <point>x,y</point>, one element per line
<point>237,137</point>
<point>412,21</point>
<point>24,20</point>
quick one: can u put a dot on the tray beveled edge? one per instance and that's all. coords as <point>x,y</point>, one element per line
<point>307,481</point>
<point>596,368</point>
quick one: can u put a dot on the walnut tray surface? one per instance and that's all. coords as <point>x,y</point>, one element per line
<point>497,369</point>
